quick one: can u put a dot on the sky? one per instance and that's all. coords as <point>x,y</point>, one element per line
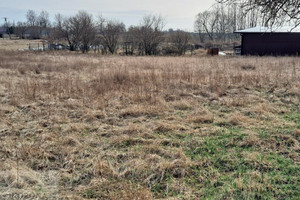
<point>178,14</point>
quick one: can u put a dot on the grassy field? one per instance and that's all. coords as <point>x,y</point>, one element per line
<point>21,45</point>
<point>76,126</point>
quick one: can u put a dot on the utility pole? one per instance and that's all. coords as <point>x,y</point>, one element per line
<point>6,25</point>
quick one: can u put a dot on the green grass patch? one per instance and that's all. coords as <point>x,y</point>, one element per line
<point>293,117</point>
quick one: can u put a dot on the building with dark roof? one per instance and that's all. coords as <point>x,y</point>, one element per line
<point>2,31</point>
<point>265,41</point>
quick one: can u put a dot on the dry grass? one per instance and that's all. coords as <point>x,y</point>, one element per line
<point>83,126</point>
<point>14,45</point>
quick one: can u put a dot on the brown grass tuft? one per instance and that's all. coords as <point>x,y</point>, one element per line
<point>237,119</point>
<point>206,118</point>
<point>102,169</point>
<point>139,110</point>
<point>248,67</point>
<point>297,132</point>
<point>70,141</point>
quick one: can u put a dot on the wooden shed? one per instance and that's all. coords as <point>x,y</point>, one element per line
<point>266,41</point>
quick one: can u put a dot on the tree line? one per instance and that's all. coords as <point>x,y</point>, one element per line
<point>274,12</point>
<point>83,32</point>
<point>216,25</point>
<point>219,22</point>
<point>227,16</point>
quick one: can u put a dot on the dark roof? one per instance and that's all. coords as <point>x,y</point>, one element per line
<point>2,30</point>
<point>259,29</point>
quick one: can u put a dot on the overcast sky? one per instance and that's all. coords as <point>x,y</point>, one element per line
<point>179,14</point>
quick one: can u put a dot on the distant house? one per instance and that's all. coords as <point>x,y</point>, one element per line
<point>2,31</point>
<point>265,41</point>
<point>36,32</point>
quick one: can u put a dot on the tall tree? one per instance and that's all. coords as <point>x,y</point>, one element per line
<point>59,31</point>
<point>79,30</point>
<point>111,32</point>
<point>43,19</point>
<point>71,31</point>
<point>130,42</point>
<point>87,30</point>
<point>20,29</point>
<point>180,39</point>
<point>31,17</point>
<point>43,23</point>
<point>149,34</point>
<point>206,23</point>
<point>32,21</point>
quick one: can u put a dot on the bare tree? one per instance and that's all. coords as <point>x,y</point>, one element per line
<point>32,21</point>
<point>274,11</point>
<point>43,19</point>
<point>180,39</point>
<point>222,20</point>
<point>79,31</point>
<point>200,27</point>
<point>130,42</point>
<point>31,18</point>
<point>20,29</point>
<point>149,34</point>
<point>71,31</point>
<point>110,31</point>
<point>206,23</point>
<point>87,30</point>
<point>43,23</point>
<point>59,31</point>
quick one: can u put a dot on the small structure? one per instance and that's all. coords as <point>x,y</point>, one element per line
<point>2,31</point>
<point>237,50</point>
<point>270,41</point>
<point>213,51</point>
<point>198,46</point>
